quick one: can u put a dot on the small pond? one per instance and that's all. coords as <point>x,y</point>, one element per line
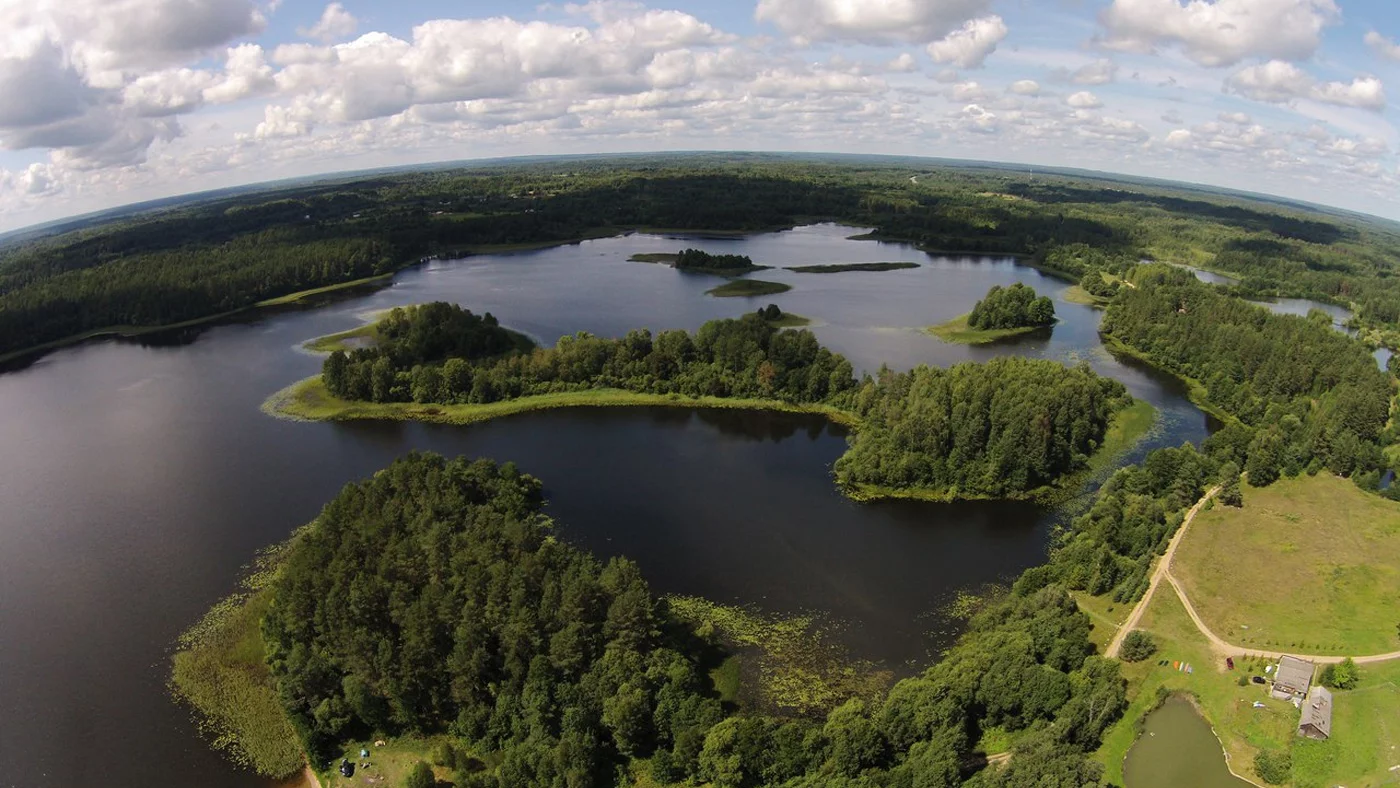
<point>1178,748</point>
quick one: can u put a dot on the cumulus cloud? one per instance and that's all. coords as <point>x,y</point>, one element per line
<point>335,23</point>
<point>1278,82</point>
<point>883,22</point>
<point>1237,118</point>
<point>1025,87</point>
<point>1220,33</point>
<point>1383,46</point>
<point>903,63</point>
<point>1084,100</point>
<point>970,45</point>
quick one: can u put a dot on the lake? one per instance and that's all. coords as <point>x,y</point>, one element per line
<point>1178,748</point>
<point>139,477</point>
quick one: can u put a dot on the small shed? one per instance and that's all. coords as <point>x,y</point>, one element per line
<point>1292,679</point>
<point>1316,722</point>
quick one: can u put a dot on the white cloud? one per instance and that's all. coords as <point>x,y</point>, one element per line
<point>966,92</point>
<point>880,22</point>
<point>335,24</point>
<point>904,63</point>
<point>1222,32</point>
<point>1382,45</point>
<point>1084,100</point>
<point>1278,82</point>
<point>1237,118</point>
<point>1099,72</point>
<point>1179,138</point>
<point>970,45</point>
<point>1025,87</point>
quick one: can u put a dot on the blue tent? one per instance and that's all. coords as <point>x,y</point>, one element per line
<point>364,753</point>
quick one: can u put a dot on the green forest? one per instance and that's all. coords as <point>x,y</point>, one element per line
<point>434,598</point>
<point>988,430</point>
<point>698,260</point>
<point>210,257</point>
<point>1300,395</point>
<point>1016,306</point>
<point>1007,428</point>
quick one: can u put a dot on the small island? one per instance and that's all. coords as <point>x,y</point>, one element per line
<point>843,267</point>
<point>776,317</point>
<point>702,262</point>
<point>744,288</point>
<point>1003,312</point>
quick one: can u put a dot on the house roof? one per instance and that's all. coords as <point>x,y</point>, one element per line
<point>1293,674</point>
<point>1317,711</point>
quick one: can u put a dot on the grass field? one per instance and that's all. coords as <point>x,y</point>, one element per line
<point>292,298</point>
<point>360,336</point>
<point>1310,564</point>
<point>956,330</point>
<point>748,287</point>
<point>844,267</point>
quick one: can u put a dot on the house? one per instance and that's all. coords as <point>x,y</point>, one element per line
<point>1316,722</point>
<point>1292,679</point>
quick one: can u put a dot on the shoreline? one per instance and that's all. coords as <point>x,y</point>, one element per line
<point>308,400</point>
<point>1196,391</point>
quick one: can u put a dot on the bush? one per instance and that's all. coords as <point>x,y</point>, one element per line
<point>1343,675</point>
<point>1137,646</point>
<point>445,755</point>
<point>421,776</point>
<point>1273,766</point>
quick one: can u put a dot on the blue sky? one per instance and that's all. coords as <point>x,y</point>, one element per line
<point>104,102</point>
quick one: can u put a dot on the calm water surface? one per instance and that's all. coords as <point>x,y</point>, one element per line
<point>1178,749</point>
<point>138,478</point>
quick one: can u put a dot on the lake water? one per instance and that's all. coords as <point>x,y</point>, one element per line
<point>1178,748</point>
<point>139,477</point>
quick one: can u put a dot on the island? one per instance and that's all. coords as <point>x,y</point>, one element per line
<point>1004,312</point>
<point>929,433</point>
<point>702,262</point>
<point>777,318</point>
<point>745,288</point>
<point>844,267</point>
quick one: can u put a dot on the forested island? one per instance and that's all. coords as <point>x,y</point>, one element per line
<point>209,258</point>
<point>1007,429</point>
<point>1003,312</point>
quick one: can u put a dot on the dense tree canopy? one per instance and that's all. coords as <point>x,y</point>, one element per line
<point>1004,427</point>
<point>1301,390</point>
<point>434,598</point>
<point>1016,306</point>
<point>690,259</point>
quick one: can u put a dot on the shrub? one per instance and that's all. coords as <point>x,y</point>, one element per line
<point>1273,766</point>
<point>1343,675</point>
<point>1137,646</point>
<point>421,776</point>
<point>445,755</point>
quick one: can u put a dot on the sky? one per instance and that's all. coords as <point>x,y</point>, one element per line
<point>107,102</point>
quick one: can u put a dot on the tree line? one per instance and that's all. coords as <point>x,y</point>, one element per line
<point>204,258</point>
<point>691,259</point>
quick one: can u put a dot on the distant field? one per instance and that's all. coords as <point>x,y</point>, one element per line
<point>748,287</point>
<point>1310,564</point>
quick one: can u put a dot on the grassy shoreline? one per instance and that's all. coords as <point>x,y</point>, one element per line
<point>308,400</point>
<point>1196,391</point>
<point>957,330</point>
<point>845,267</point>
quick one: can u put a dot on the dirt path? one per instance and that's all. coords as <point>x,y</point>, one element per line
<point>1218,644</point>
<point>1157,574</point>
